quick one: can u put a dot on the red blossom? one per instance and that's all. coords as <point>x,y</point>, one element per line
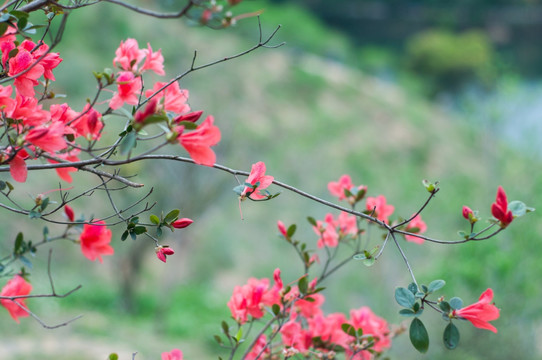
<point>466,212</point>
<point>198,142</point>
<point>95,241</point>
<point>337,188</point>
<point>17,286</point>
<point>154,61</point>
<point>192,117</point>
<point>48,138</point>
<point>128,55</point>
<point>257,352</point>
<point>416,226</point>
<point>172,98</point>
<point>128,89</point>
<point>499,209</point>
<point>381,210</point>
<point>257,176</point>
<point>481,312</point>
<point>182,223</point>
<point>174,354</point>
<point>163,251</point>
<point>69,213</point>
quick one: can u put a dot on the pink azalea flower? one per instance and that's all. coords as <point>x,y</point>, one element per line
<point>49,62</point>
<point>26,82</point>
<point>172,98</point>
<point>154,61</point>
<point>174,354</point>
<point>62,113</point>
<point>163,251</point>
<point>328,328</point>
<point>337,188</point>
<point>182,223</point>
<point>88,125</point>
<point>17,286</point>
<point>416,226</point>
<point>17,166</point>
<point>258,352</point>
<point>150,109</point>
<point>327,232</point>
<point>294,336</point>
<point>95,240</point>
<point>481,312</point>
<point>381,210</point>
<point>28,109</point>
<point>499,209</point>
<point>282,229</point>
<point>128,89</point>
<point>250,299</point>
<point>257,175</point>
<point>128,55</point>
<point>7,104</point>
<point>198,142</point>
<point>49,138</point>
<point>364,318</point>
<point>64,172</point>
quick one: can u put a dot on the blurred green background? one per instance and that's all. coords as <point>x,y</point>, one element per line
<point>386,91</point>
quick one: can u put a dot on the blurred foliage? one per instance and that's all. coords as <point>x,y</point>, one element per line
<point>448,61</point>
<point>311,118</point>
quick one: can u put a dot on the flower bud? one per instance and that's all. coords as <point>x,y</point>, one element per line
<point>192,117</point>
<point>282,229</point>
<point>163,251</point>
<point>182,223</point>
<point>69,213</point>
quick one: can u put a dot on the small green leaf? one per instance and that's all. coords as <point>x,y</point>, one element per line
<point>19,243</point>
<point>44,203</point>
<point>463,234</point>
<point>451,336</point>
<point>124,235</point>
<point>154,219</point>
<point>360,256</point>
<point>456,303</point>
<point>418,335</point>
<point>407,312</point>
<point>291,230</point>
<point>445,306</point>
<point>517,208</point>
<point>218,340</point>
<point>159,231</point>
<point>153,119</point>
<point>348,329</point>
<point>10,186</point>
<point>172,216</point>
<point>133,235</point>
<point>34,214</point>
<point>303,285</point>
<point>404,297</point>
<point>435,285</point>
<point>413,288</point>
<point>239,335</point>
<point>128,143</point>
<point>239,189</point>
<point>225,328</point>
<point>188,125</point>
<point>113,356</point>
<point>2,184</point>
<point>276,309</point>
<point>138,230</point>
<point>311,220</point>
<point>369,261</point>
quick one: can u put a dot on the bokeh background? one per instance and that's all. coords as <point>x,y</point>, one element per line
<point>390,92</point>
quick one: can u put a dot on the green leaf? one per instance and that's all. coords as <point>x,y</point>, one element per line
<point>456,303</point>
<point>451,336</point>
<point>159,231</point>
<point>154,219</point>
<point>153,119</point>
<point>311,220</point>
<point>34,214</point>
<point>19,243</point>
<point>239,189</point>
<point>124,235</point>
<point>360,256</point>
<point>463,234</point>
<point>517,208</point>
<point>404,297</point>
<point>218,339</point>
<point>188,125</point>
<point>291,230</point>
<point>133,235</point>
<point>429,185</point>
<point>413,288</point>
<point>435,285</point>
<point>44,203</point>
<point>22,22</point>
<point>172,216</point>
<point>369,261</point>
<point>2,184</point>
<point>445,306</point>
<point>348,329</point>
<point>225,328</point>
<point>128,143</point>
<point>239,335</point>
<point>418,336</point>
<point>276,309</point>
<point>303,285</point>
<point>113,357</point>
<point>407,312</point>
<point>10,186</point>
<point>138,230</point>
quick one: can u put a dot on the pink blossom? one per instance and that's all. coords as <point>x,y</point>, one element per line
<point>163,251</point>
<point>49,62</point>
<point>30,111</point>
<point>17,166</point>
<point>95,241</point>
<point>7,104</point>
<point>481,312</point>
<point>69,213</point>
<point>259,180</point>
<point>62,113</point>
<point>154,61</point>
<point>49,138</point>
<point>337,188</point>
<point>198,142</point>
<point>416,226</point>
<point>172,98</point>
<point>250,299</point>
<point>17,286</point>
<point>282,229</point>
<point>499,209</point>
<point>174,354</point>
<point>327,232</point>
<point>182,223</point>
<point>381,210</point>
<point>364,318</point>
<point>293,335</point>
<point>310,306</point>
<point>128,55</point>
<point>257,352</point>
<point>466,212</point>
<point>150,109</point>
<point>89,124</point>
<point>191,117</point>
<point>26,82</point>
<point>128,89</point>
<point>64,172</point>
<point>328,328</point>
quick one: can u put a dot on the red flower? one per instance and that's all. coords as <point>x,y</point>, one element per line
<point>163,251</point>
<point>174,354</point>
<point>198,142</point>
<point>337,188</point>
<point>128,88</point>
<point>15,287</point>
<point>481,312</point>
<point>416,226</point>
<point>95,241</point>
<point>69,213</point>
<point>499,208</point>
<point>381,210</point>
<point>182,223</point>
<point>257,175</point>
